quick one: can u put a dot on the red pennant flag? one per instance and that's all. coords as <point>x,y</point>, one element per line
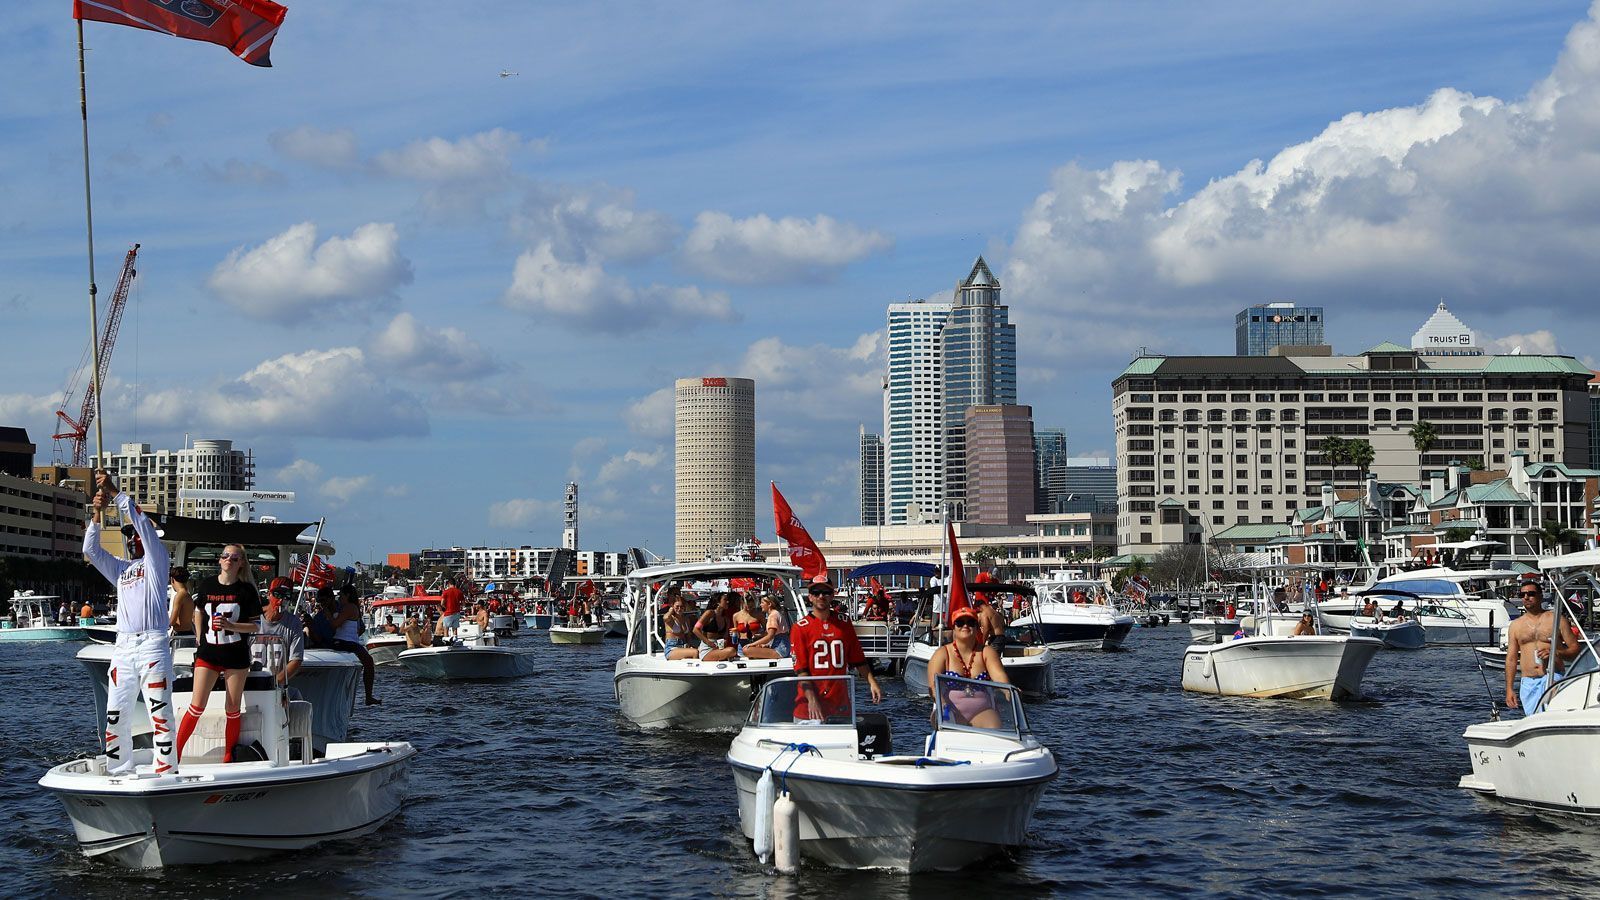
<point>803,550</point>
<point>587,588</point>
<point>245,27</point>
<point>958,579</point>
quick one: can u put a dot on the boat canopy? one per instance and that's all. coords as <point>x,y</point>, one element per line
<point>1433,587</point>
<point>1571,560</point>
<point>910,569</point>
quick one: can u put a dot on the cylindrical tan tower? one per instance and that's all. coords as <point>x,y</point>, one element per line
<point>715,491</point>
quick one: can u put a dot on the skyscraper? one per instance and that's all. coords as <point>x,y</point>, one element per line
<point>715,464</point>
<point>913,416</point>
<point>999,464</point>
<point>979,350</point>
<point>871,479</point>
<point>1259,328</point>
<point>1049,466</point>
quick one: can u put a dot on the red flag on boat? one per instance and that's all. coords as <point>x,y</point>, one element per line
<point>587,588</point>
<point>803,550</point>
<point>245,27</point>
<point>322,575</point>
<point>958,579</point>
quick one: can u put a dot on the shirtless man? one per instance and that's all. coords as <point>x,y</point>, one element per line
<point>1528,645</point>
<point>991,624</point>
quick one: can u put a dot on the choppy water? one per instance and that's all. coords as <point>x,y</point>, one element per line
<point>538,787</point>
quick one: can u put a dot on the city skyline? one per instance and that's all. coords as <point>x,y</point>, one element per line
<point>370,297</point>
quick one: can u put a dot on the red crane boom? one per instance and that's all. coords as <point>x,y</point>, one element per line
<point>77,430</point>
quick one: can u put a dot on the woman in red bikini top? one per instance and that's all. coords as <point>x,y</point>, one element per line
<point>966,657</point>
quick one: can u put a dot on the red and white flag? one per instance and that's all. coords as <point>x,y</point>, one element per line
<point>958,580</point>
<point>803,550</point>
<point>245,27</point>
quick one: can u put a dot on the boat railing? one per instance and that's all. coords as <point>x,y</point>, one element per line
<point>806,700</point>
<point>893,641</point>
<point>986,707</point>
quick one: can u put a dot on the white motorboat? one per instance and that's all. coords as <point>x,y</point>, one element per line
<point>1211,629</point>
<point>327,679</point>
<point>656,692</point>
<point>278,794</point>
<point>577,631</point>
<point>1072,613</point>
<point>1406,634</point>
<point>478,659</point>
<point>615,622</point>
<point>1031,668</point>
<point>385,648</point>
<point>1454,607</point>
<point>504,625</point>
<point>30,620</point>
<point>1308,667</point>
<point>967,793</point>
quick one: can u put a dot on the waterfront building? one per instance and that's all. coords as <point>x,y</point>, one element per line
<point>1257,329</point>
<point>870,478</point>
<point>155,476</point>
<point>43,521</point>
<point>1049,467</point>
<point>1041,544</point>
<point>1000,464</point>
<point>913,420</point>
<point>978,348</point>
<point>1445,335</point>
<point>16,452</point>
<point>518,563</point>
<point>715,464</point>
<point>1594,421</point>
<point>1207,442</point>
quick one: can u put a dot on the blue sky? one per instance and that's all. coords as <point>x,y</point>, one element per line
<point>427,296</point>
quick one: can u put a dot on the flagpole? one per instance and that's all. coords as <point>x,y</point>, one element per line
<point>88,217</point>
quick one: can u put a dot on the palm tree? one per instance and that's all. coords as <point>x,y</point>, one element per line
<point>1554,534</point>
<point>1423,436</point>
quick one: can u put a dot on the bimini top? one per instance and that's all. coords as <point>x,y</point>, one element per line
<point>911,569</point>
<point>1571,560</point>
<point>697,571</point>
<point>1428,587</point>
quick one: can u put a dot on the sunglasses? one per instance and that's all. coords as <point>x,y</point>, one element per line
<point>232,556</point>
<point>1528,593</point>
<point>822,593</point>
<point>966,623</point>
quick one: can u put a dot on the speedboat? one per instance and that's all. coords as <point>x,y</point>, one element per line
<point>482,657</point>
<point>1406,634</point>
<point>503,625</point>
<point>656,692</point>
<point>1308,667</point>
<point>278,794</point>
<point>1454,607</point>
<point>385,647</point>
<point>30,621</point>
<point>1029,666</point>
<point>1212,629</point>
<point>577,631</point>
<point>1071,615</point>
<point>615,622</point>
<point>539,614</point>
<point>967,793</point>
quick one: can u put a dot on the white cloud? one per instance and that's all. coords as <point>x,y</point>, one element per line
<point>1541,341</point>
<point>651,415</point>
<point>337,490</point>
<point>761,250</point>
<point>633,461</point>
<point>597,221</point>
<point>486,155</point>
<point>406,346</point>
<point>335,149</point>
<point>16,409</point>
<point>521,512</point>
<point>1484,200</point>
<point>299,471</point>
<point>342,490</point>
<point>584,294</point>
<point>290,278</point>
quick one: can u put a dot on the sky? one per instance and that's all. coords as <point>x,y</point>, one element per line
<point>426,296</point>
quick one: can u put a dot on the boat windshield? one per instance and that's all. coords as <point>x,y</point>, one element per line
<point>806,700</point>
<point>966,704</point>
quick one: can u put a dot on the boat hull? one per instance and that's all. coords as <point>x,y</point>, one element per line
<point>1034,676</point>
<point>1071,627</point>
<point>1544,761</point>
<point>385,652</point>
<point>1403,636</point>
<point>1300,668</point>
<point>690,694</point>
<point>240,811</point>
<point>536,621</point>
<point>561,634</point>
<point>458,663</point>
<point>1210,630</point>
<point>906,827</point>
<point>49,633</point>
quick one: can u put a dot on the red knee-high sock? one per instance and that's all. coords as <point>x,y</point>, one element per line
<point>232,734</point>
<point>191,717</point>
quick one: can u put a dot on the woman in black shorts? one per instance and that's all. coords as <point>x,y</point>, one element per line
<point>226,610</point>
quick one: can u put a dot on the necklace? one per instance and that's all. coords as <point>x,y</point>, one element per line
<point>966,664</point>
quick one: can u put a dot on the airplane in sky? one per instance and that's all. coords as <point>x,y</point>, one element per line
<point>507,73</point>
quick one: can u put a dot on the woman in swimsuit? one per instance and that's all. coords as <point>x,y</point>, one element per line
<point>777,627</point>
<point>713,626</point>
<point>751,634</point>
<point>966,657</point>
<point>680,641</point>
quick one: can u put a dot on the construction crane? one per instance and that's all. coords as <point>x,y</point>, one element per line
<point>76,430</point>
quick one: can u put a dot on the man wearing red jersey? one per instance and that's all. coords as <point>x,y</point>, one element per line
<point>825,644</point>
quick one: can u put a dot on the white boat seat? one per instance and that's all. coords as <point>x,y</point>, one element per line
<point>300,740</point>
<point>206,744</point>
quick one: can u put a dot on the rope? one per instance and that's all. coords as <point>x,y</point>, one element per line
<point>799,751</point>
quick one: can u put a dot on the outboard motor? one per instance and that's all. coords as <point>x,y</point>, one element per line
<point>872,735</point>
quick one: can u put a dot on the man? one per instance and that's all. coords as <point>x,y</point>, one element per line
<point>990,623</point>
<point>1528,649</point>
<point>141,657</point>
<point>450,599</point>
<point>285,625</point>
<point>417,634</point>
<point>825,644</point>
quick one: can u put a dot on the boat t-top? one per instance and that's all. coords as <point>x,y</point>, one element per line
<point>656,692</point>
<point>29,620</point>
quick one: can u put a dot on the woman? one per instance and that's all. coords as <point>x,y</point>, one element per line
<point>347,630</point>
<point>777,638</point>
<point>180,605</point>
<point>226,608</point>
<point>751,634</point>
<point>680,642</point>
<point>1304,627</point>
<point>712,628</point>
<point>966,657</point>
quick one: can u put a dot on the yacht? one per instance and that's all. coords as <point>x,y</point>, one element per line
<point>1072,613</point>
<point>1454,606</point>
<point>656,692</point>
<point>966,792</point>
<point>29,620</point>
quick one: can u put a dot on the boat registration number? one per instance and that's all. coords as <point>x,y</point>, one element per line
<point>235,798</point>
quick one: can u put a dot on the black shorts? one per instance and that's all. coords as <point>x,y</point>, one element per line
<point>224,656</point>
<point>348,647</point>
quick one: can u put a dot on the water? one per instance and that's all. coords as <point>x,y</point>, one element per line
<point>538,787</point>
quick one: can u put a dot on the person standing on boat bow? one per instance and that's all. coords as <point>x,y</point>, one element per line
<point>141,658</point>
<point>1528,643</point>
<point>226,610</point>
<point>826,644</point>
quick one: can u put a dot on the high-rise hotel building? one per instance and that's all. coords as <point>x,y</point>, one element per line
<point>979,354</point>
<point>1206,442</point>
<point>913,412</point>
<point>714,464</point>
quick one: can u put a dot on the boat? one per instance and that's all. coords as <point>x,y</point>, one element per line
<point>967,793</point>
<point>615,622</point>
<point>1454,606</point>
<point>30,620</point>
<point>481,658</point>
<point>503,624</point>
<point>1071,614</point>
<point>576,631</point>
<point>1407,634</point>
<point>1028,658</point>
<point>655,692</point>
<point>277,795</point>
<point>1213,629</point>
<point>328,679</point>
<point>384,647</point>
<point>539,613</point>
<point>1275,662</point>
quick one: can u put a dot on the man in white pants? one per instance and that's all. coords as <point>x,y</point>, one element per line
<point>142,657</point>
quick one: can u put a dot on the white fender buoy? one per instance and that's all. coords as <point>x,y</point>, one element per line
<point>786,834</point>
<point>765,791</point>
